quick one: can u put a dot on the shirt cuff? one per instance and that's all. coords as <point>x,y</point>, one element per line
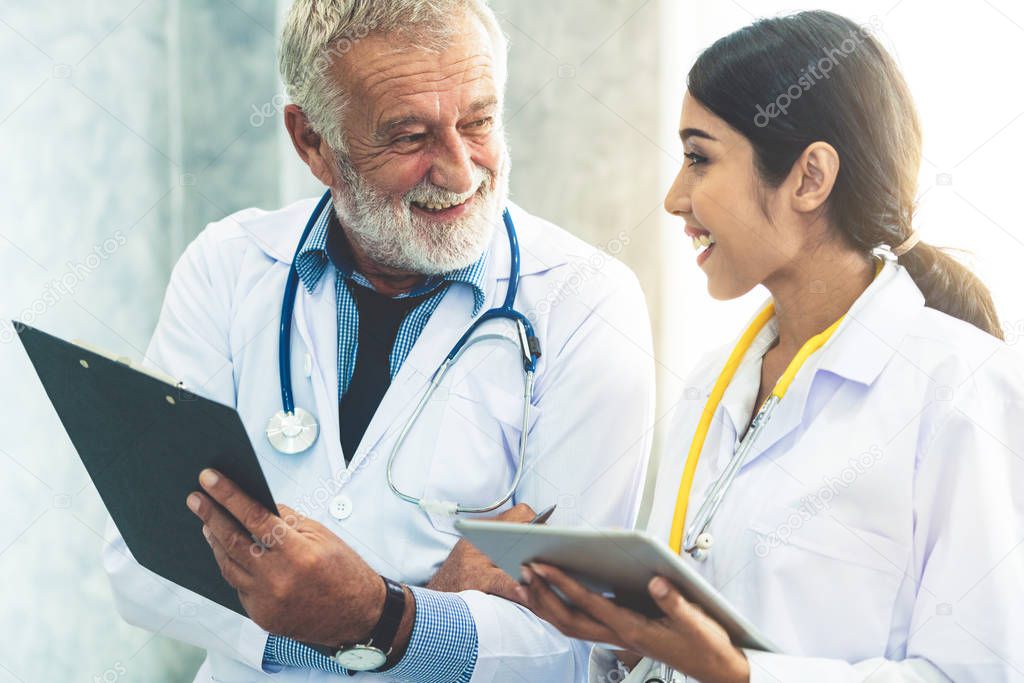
<point>281,652</point>
<point>444,645</point>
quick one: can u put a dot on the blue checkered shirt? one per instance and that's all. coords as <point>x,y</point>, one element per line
<point>443,646</point>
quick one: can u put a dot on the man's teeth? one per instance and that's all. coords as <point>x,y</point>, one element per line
<point>702,241</point>
<point>437,207</point>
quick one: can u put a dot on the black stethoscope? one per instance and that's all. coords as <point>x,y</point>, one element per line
<point>293,430</point>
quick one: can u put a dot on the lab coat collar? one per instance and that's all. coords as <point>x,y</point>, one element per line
<point>327,244</point>
<point>277,234</point>
<point>739,397</point>
<point>863,344</point>
<point>874,327</point>
<point>870,333</point>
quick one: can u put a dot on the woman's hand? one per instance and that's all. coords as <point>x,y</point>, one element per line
<point>685,638</point>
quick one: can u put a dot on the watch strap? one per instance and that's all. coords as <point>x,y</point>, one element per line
<point>383,635</point>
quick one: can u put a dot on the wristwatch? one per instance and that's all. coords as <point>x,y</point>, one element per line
<point>373,654</point>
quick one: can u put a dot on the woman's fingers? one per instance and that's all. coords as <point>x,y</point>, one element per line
<point>584,599</point>
<point>669,600</point>
<point>677,609</point>
<point>627,625</point>
<point>548,606</point>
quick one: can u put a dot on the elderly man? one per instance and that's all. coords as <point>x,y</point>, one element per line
<point>398,111</point>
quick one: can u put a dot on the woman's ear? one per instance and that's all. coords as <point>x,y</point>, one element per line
<point>813,176</point>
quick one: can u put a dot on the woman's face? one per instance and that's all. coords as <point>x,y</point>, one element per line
<point>719,196</point>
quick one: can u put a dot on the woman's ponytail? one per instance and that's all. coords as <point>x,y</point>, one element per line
<point>951,287</point>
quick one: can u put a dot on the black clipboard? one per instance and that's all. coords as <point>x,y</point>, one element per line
<point>143,442</point>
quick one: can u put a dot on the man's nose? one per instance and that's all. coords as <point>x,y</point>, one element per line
<point>453,167</point>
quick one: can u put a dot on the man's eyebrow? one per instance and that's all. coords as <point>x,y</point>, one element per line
<point>696,133</point>
<point>399,122</point>
<point>477,106</point>
<point>481,104</point>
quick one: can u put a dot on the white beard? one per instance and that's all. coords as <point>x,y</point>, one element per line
<point>391,235</point>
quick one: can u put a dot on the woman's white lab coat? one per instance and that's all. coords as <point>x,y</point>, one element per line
<point>877,530</point>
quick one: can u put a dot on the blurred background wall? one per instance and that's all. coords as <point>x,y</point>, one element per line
<point>127,125</point>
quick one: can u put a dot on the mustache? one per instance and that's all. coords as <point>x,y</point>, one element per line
<point>428,193</point>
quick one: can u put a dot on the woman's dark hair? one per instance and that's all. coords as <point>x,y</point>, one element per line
<point>789,81</point>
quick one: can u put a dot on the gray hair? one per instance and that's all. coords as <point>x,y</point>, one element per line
<point>317,32</point>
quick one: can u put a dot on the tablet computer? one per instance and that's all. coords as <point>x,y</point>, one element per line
<point>143,441</point>
<point>619,563</point>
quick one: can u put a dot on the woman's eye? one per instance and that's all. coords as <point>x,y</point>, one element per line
<point>695,158</point>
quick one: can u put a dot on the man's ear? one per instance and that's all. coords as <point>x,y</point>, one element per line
<point>813,176</point>
<point>310,147</point>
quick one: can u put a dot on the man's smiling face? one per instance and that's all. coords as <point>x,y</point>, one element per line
<point>423,178</point>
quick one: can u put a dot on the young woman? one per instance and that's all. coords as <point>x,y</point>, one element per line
<point>873,526</point>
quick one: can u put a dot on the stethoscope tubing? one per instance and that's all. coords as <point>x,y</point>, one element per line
<point>527,342</point>
<point>284,345</point>
<point>706,513</point>
<point>530,353</point>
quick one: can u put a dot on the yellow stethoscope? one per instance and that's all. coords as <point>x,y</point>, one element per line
<point>698,540</point>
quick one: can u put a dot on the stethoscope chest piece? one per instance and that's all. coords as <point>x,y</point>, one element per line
<point>292,433</point>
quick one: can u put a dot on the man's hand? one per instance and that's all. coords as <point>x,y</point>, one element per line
<point>299,580</point>
<point>469,569</point>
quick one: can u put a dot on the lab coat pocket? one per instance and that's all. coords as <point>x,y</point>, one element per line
<point>476,449</point>
<point>829,576</point>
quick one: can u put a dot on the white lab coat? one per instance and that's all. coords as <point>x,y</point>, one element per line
<point>589,434</point>
<point>877,530</point>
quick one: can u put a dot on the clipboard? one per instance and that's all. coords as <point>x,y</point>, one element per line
<point>143,441</point>
<point>616,562</point>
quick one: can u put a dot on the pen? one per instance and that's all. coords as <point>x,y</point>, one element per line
<point>543,515</point>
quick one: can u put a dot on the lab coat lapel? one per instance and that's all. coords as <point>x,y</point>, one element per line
<point>787,416</point>
<point>316,318</point>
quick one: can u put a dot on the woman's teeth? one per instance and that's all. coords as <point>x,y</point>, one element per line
<point>702,242</point>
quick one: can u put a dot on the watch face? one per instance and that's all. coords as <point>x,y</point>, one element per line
<point>361,658</point>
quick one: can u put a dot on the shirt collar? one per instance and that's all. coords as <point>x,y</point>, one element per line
<point>326,243</point>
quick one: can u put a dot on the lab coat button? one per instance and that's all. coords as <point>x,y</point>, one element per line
<point>341,508</point>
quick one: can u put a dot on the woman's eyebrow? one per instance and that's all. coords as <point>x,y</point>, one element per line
<point>696,133</point>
